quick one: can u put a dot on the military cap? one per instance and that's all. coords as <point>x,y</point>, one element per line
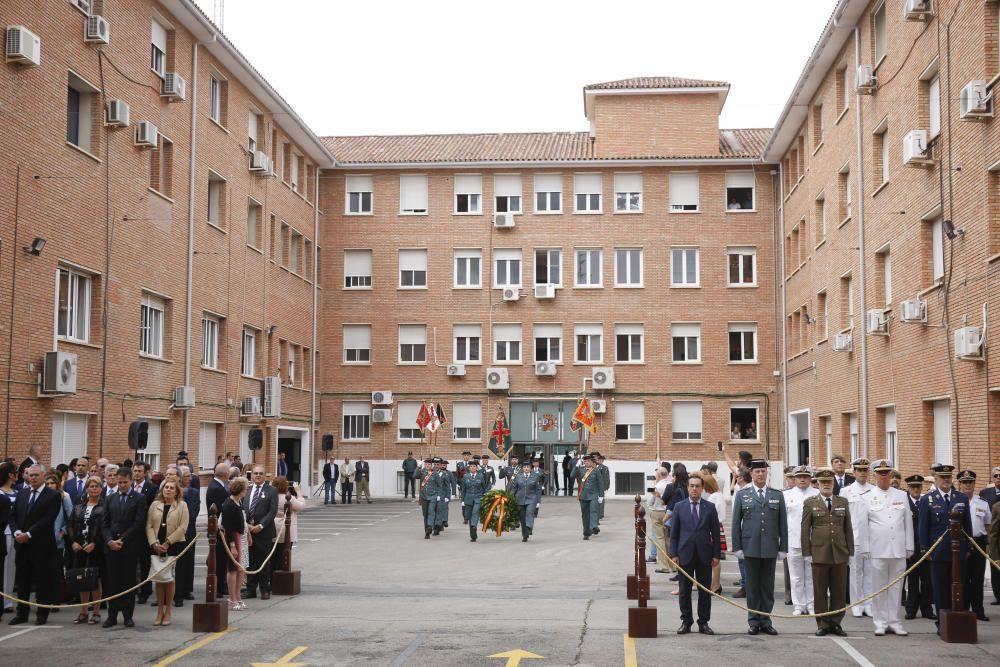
<point>801,471</point>
<point>592,457</point>
<point>861,464</point>
<point>758,463</point>
<point>474,462</point>
<point>428,460</point>
<point>526,462</point>
<point>477,457</point>
<point>896,474</point>
<point>789,471</point>
<point>444,461</point>
<point>915,480</point>
<point>943,469</point>
<point>881,465</point>
<point>967,476</point>
<point>824,474</point>
<point>596,455</point>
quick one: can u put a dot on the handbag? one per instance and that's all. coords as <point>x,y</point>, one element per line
<point>159,571</point>
<point>82,579</point>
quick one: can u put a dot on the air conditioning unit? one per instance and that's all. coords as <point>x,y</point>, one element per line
<point>95,29</point>
<point>503,220</point>
<point>915,148</point>
<point>184,398</point>
<point>603,377</point>
<point>916,10</point>
<point>272,397</point>
<point>383,416</point>
<point>511,294</point>
<point>250,406</point>
<point>497,378</point>
<point>975,101</point>
<point>866,79</point>
<point>843,342</point>
<point>545,368</point>
<point>146,134</point>
<point>598,407</point>
<point>116,113</point>
<point>259,161</point>
<point>914,310</point>
<point>382,397</point>
<point>878,323</point>
<point>59,373</point>
<point>23,46</point>
<point>545,291</point>
<point>173,87</point>
<point>456,370</point>
<point>968,343</point>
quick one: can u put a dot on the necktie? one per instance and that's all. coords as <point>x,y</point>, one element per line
<point>694,508</point>
<point>947,498</point>
<point>829,505</point>
<point>31,501</point>
<point>123,496</point>
<point>760,492</point>
<point>253,501</point>
<point>79,485</point>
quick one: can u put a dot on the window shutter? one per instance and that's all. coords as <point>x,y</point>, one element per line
<point>357,408</point>
<point>587,184</point>
<point>467,330</point>
<point>683,189</point>
<point>412,334</point>
<point>548,331</point>
<point>412,260</point>
<point>739,179</point>
<point>507,186</point>
<point>686,417</point>
<point>357,262</point>
<point>588,329</point>
<point>468,184</point>
<point>357,336</point>
<point>686,329</point>
<point>159,37</point>
<point>413,193</point>
<point>630,412</point>
<point>359,184</point>
<point>467,414</point>
<point>406,414</point>
<point>507,332</point>
<point>628,182</point>
<point>629,329</point>
<point>548,183</point>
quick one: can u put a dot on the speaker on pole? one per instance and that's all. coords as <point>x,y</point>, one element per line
<point>255,439</point>
<point>328,442</point>
<point>138,435</point>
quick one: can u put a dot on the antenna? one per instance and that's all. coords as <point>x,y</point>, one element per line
<point>220,14</point>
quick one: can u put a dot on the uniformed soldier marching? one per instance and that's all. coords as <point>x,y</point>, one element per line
<point>447,492</point>
<point>526,488</point>
<point>980,516</point>
<point>918,582</point>
<point>588,491</point>
<point>827,540</point>
<point>473,487</point>
<point>428,494</point>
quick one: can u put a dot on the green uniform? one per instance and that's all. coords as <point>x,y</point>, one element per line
<point>605,485</point>
<point>760,531</point>
<point>828,538</point>
<point>433,493</point>
<point>589,481</point>
<point>473,487</point>
<point>526,489</point>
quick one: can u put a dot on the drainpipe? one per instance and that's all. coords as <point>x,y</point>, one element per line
<point>863,409</point>
<point>315,294</point>
<point>781,280</point>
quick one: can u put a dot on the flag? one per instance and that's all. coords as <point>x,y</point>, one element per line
<point>434,422</point>
<point>423,417</point>
<point>584,416</point>
<point>440,415</point>
<point>500,442</point>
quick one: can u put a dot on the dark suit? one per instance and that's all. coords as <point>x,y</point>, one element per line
<point>695,542</point>
<point>282,468</point>
<point>74,487</point>
<point>331,473</point>
<point>185,565</point>
<point>216,494</point>
<point>918,583</point>
<point>34,560</point>
<point>991,495</point>
<point>362,476</point>
<point>25,464</point>
<point>932,521</point>
<point>264,510</point>
<point>125,520</point>
<point>838,487</point>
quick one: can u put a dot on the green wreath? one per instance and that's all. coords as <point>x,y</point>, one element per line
<point>511,512</point>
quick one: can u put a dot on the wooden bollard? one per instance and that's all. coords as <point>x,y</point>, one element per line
<point>286,581</point>
<point>641,618</point>
<point>211,615</point>
<point>957,627</point>
<point>632,580</point>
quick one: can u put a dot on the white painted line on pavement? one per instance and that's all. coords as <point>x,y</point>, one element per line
<point>408,651</point>
<point>26,630</point>
<point>853,652</point>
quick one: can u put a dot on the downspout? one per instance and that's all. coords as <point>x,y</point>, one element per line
<point>781,279</point>
<point>315,295</point>
<point>863,408</point>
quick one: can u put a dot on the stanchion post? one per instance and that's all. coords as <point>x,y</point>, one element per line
<point>641,618</point>
<point>286,581</point>
<point>211,615</point>
<point>632,580</point>
<point>957,626</point>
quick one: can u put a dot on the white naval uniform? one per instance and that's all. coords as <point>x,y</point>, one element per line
<point>860,562</point>
<point>890,543</point>
<point>980,518</point>
<point>799,572</point>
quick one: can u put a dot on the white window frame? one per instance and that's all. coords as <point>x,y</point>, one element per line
<point>886,277</point>
<point>742,180</point>
<point>152,325</point>
<point>505,262</point>
<point>748,335</point>
<point>542,186</point>
<point>414,335</point>
<point>467,339</point>
<point>248,352</point>
<point>468,257</point>
<point>695,409</point>
<point>215,98</point>
<point>583,186</point>
<point>509,188</point>
<point>356,186</point>
<point>211,325</point>
<point>357,261</point>
<point>410,257</point>
<point>743,253</point>
<point>891,435</point>
<point>552,334</point>
<point>354,335</point>
<point>88,100</point>
<point>356,421</point>
<point>746,405</point>
<point>406,421</point>
<point>216,198</point>
<point>632,416</point>
<point>628,185</point>
<point>291,362</point>
<point>688,331</point>
<point>880,33</point>
<point>469,186</point>
<point>255,211</point>
<point>633,332</point>
<point>584,258</point>
<point>548,266</point>
<point>853,429</point>
<point>681,255</point>
<point>934,106</point>
<point>413,197</point>
<point>467,420</point>
<point>632,256</point>
<point>821,200</point>
<point>79,286</point>
<point>593,333</point>
<point>937,249</point>
<point>206,453</point>
<point>508,339</point>
<point>158,48</point>
<point>681,191</point>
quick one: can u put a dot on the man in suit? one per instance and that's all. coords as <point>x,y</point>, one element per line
<point>147,490</point>
<point>282,467</point>
<point>331,473</point>
<point>473,488</point>
<point>760,538</point>
<point>461,467</point>
<point>827,540</point>
<point>525,487</point>
<point>124,532</point>
<point>6,507</point>
<point>918,582</point>
<point>567,470</point>
<point>991,494</point>
<point>215,495</point>
<point>694,546</point>
<point>346,481</point>
<point>409,475</point>
<point>980,516</point>
<point>933,521</point>
<point>33,459</point>
<point>362,475</point>
<point>588,491</point>
<point>32,524</point>
<point>74,487</point>
<point>260,505</point>
<point>841,479</point>
<point>185,565</point>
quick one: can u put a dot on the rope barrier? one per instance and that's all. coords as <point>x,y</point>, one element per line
<point>142,583</point>
<point>825,613</point>
<point>274,547</point>
<point>989,560</point>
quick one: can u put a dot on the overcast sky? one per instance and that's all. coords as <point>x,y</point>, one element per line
<point>443,66</point>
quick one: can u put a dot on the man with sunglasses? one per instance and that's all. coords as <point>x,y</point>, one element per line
<point>991,494</point>
<point>260,505</point>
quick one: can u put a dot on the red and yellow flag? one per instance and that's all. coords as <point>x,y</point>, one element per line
<point>584,416</point>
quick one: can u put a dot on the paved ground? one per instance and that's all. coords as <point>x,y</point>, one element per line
<point>376,593</point>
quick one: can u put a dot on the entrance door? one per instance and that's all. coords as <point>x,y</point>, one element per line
<point>292,448</point>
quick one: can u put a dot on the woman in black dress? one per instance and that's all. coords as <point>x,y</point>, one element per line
<point>234,526</point>
<point>85,535</point>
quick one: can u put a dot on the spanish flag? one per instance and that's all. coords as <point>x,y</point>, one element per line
<point>584,416</point>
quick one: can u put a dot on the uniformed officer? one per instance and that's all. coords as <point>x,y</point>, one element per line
<point>890,543</point>
<point>827,541</point>
<point>605,485</point>
<point>461,467</point>
<point>760,535</point>
<point>488,472</point>
<point>509,472</point>
<point>428,494</point>
<point>789,482</point>
<point>932,522</point>
<point>799,572</point>
<point>918,582</point>
<point>473,487</point>
<point>588,491</point>
<point>447,492</point>
<point>980,516</point>
<point>526,489</point>
<point>543,481</point>
<point>861,567</point>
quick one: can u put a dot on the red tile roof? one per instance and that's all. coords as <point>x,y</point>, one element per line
<point>655,82</point>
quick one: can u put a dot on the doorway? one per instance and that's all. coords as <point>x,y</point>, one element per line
<point>798,438</point>
<point>290,444</point>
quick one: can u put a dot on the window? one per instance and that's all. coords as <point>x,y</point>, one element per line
<point>294,170</point>
<point>879,33</point>
<point>742,267</point>
<point>357,269</point>
<point>852,425</point>
<point>82,100</point>
<point>842,92</point>
<point>293,368</point>
<point>161,166</point>
<point>507,193</point>
<point>467,419</point>
<point>933,251</point>
<point>630,417</point>
<point>248,356</point>
<point>357,420</point>
<point>548,193</point>
<point>846,301</point>
<point>412,343</point>
<point>255,122</point>
<point>628,267</point>
<point>683,192</point>
<point>880,156</point>
<point>406,419</point>
<point>934,106</point>
<point>208,433</point>
<point>742,342</point>
<point>294,253</point>
<point>823,315</point>
<point>507,268</point>
<point>941,418</point>
<point>845,193</point>
<point>413,269</point>
<point>587,193</point>
<point>507,343</point>
<point>629,343</point>
<point>468,268</point>
<point>818,129</point>
<point>217,99</point>
<point>820,214</point>
<point>628,193</point>
<point>467,343</point>
<point>883,268</point>
<point>73,316</point>
<point>69,435</point>
<point>891,446</point>
<point>686,420</point>
<point>412,195</point>
<point>686,342</point>
<point>743,420</point>
<point>589,343</point>
<point>468,193</point>
<point>548,267</point>
<point>740,191</point>
<point>152,320</point>
<point>357,343</point>
<point>216,199</point>
<point>158,50</point>
<point>826,428</point>
<point>548,342</point>
<point>588,268</point>
<point>210,341</point>
<point>359,191</point>
<point>254,213</point>
<point>684,267</point>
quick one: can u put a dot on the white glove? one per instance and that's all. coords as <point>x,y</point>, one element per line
<point>739,554</point>
<point>909,553</point>
<point>538,504</point>
<point>808,559</point>
<point>447,498</point>
<point>438,498</point>
<point>863,554</point>
<point>600,500</point>
<point>781,555</point>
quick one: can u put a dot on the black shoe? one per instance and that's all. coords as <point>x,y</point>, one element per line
<point>444,525</point>
<point>705,629</point>
<point>41,620</point>
<point>822,632</point>
<point>995,603</point>
<point>153,603</point>
<point>788,602</point>
<point>524,539</point>
<point>188,596</point>
<point>839,631</point>
<point>753,630</point>
<point>684,629</point>
<point>676,577</point>
<point>249,595</point>
<point>738,583</point>
<point>586,537</point>
<point>129,623</point>
<point>109,623</point>
<point>178,603</point>
<point>18,620</point>
<point>369,502</point>
<point>930,615</point>
<point>143,599</point>
<point>769,630</point>
<point>982,617</point>
<point>596,531</point>
<point>910,615</point>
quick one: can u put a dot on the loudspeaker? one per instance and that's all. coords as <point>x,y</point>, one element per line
<point>255,438</point>
<point>327,442</point>
<point>138,435</point>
